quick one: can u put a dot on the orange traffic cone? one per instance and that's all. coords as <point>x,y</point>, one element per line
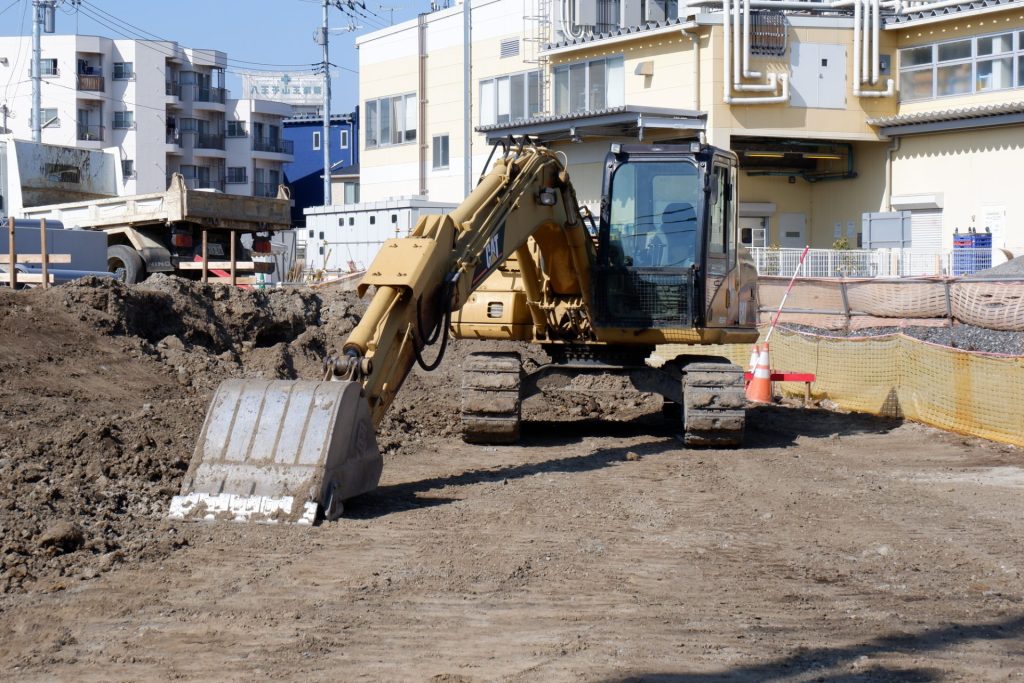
<point>755,353</point>
<point>760,388</point>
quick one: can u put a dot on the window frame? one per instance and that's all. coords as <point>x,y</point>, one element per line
<point>343,138</point>
<point>611,66</point>
<point>123,125</point>
<point>390,117</point>
<point>936,66</point>
<point>236,180</point>
<point>492,89</point>
<point>434,149</point>
<point>124,76</point>
<point>316,140</point>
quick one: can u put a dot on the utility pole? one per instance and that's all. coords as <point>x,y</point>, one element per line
<point>390,9</point>
<point>325,136</point>
<point>43,18</point>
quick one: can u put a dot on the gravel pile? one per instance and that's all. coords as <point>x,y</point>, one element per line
<point>965,337</point>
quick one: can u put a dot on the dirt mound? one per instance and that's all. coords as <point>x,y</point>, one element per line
<point>104,387</point>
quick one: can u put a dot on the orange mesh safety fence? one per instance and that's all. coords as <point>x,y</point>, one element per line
<point>898,376</point>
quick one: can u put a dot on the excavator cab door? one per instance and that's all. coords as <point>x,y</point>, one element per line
<point>650,245</point>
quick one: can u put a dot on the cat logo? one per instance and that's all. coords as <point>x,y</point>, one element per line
<point>492,251</point>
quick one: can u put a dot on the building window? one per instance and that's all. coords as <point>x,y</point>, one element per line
<point>236,129</point>
<point>509,98</point>
<point>344,139</point>
<point>316,139</point>
<point>440,147</point>
<point>124,119</point>
<point>127,168</point>
<point>352,221</point>
<point>589,86</point>
<point>390,121</point>
<point>124,71</point>
<point>373,220</point>
<point>237,174</point>
<point>47,67</point>
<point>963,66</point>
<point>48,118</point>
<point>351,197</point>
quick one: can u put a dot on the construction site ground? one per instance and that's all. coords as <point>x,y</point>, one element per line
<point>832,547</point>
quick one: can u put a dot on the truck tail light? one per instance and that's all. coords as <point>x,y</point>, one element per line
<point>182,240</point>
<point>261,245</point>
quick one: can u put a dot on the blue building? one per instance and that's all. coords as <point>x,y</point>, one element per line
<point>304,175</point>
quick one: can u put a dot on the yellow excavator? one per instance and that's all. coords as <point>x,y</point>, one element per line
<point>517,260</point>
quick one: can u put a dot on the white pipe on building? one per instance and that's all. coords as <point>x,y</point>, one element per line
<point>727,65</point>
<point>860,50</point>
<point>747,73</point>
<point>875,31</point>
<point>695,39</point>
<point>741,56</point>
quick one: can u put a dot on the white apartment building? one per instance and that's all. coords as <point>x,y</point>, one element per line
<point>163,107</point>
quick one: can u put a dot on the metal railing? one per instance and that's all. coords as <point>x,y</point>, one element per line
<point>209,141</point>
<point>871,262</point>
<point>201,94</point>
<point>173,138</point>
<point>90,83</point>
<point>277,146</point>
<point>264,189</point>
<point>90,132</point>
<point>204,184</point>
<point>236,178</point>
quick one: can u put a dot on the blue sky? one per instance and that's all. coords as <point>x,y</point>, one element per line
<point>270,32</point>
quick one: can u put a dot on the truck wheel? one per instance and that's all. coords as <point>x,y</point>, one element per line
<point>125,263</point>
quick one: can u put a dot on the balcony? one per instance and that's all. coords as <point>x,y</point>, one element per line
<point>203,94</point>
<point>173,138</point>
<point>264,189</point>
<point>90,132</point>
<point>209,141</point>
<point>272,145</point>
<point>90,83</point>
<point>204,184</point>
<point>172,89</point>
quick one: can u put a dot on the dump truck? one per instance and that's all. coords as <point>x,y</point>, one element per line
<point>166,232</point>
<point>515,261</point>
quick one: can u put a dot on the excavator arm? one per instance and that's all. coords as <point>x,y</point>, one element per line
<point>423,278</point>
<point>275,450</point>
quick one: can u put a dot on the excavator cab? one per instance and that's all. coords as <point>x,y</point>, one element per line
<point>658,203</point>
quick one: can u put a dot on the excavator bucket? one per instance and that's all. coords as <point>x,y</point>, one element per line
<point>280,451</point>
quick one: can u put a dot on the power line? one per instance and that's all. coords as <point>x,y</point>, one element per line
<point>4,10</point>
<point>21,44</point>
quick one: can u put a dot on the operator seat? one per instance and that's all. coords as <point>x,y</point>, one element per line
<point>678,232</point>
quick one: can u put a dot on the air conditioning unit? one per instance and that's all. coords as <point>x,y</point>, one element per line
<point>585,12</point>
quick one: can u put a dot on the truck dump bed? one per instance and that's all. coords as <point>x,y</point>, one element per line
<point>177,204</point>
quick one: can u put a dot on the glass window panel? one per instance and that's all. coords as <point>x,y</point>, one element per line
<point>953,80</point>
<point>518,96</point>
<point>916,56</point>
<point>994,74</point>
<point>385,122</point>
<point>487,113</point>
<point>410,118</point>
<point>596,96</point>
<point>616,95</point>
<point>578,87</point>
<point>916,84</point>
<point>948,52</point>
<point>397,119</point>
<point>1020,71</point>
<point>371,124</point>
<point>562,90</point>
<point>994,45</point>
<point>533,93</point>
<point>504,100</point>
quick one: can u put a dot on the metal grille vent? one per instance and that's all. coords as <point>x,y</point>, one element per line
<point>768,33</point>
<point>644,298</point>
<point>509,48</point>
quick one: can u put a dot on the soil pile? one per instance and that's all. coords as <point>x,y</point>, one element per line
<point>104,387</point>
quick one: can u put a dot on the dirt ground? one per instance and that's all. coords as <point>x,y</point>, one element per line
<point>832,547</point>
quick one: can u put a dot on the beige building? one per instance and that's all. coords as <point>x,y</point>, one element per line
<point>836,109</point>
